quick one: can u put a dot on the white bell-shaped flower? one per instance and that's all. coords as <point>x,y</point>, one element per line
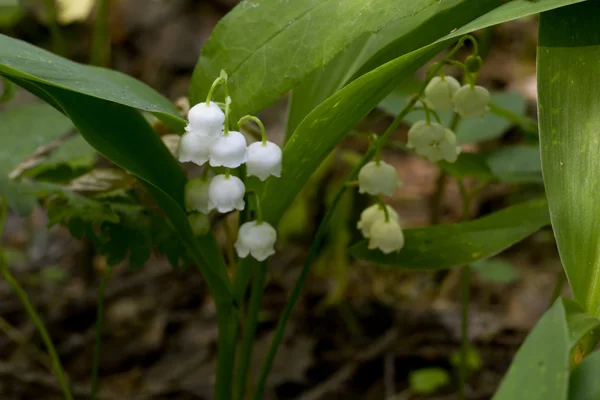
<point>229,151</point>
<point>206,120</point>
<point>226,193</point>
<point>196,195</point>
<point>471,101</point>
<point>433,141</point>
<point>439,92</point>
<point>386,236</point>
<point>200,224</point>
<point>256,239</point>
<point>373,214</point>
<point>377,178</point>
<point>264,160</point>
<point>421,133</point>
<point>194,148</point>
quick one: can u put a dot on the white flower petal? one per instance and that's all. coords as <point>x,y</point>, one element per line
<point>226,193</point>
<point>386,236</point>
<point>229,151</point>
<point>439,92</point>
<point>257,239</point>
<point>376,179</point>
<point>194,148</point>
<point>206,120</point>
<point>471,101</point>
<point>371,215</point>
<point>264,160</point>
<point>421,134</point>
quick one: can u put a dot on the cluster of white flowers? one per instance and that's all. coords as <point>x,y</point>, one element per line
<point>381,226</point>
<point>208,139</point>
<point>432,140</point>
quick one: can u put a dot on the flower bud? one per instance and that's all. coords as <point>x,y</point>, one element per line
<point>256,239</point>
<point>377,178</point>
<point>206,120</point>
<point>439,92</point>
<point>473,64</point>
<point>229,151</point>
<point>226,193</point>
<point>196,195</point>
<point>373,214</point>
<point>200,224</point>
<point>194,148</point>
<point>264,160</point>
<point>386,236</point>
<point>471,101</point>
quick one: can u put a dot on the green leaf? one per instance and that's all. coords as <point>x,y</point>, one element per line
<point>569,100</point>
<point>468,164</point>
<point>584,383</point>
<point>540,369</point>
<point>268,46</point>
<point>495,270</point>
<point>22,61</point>
<point>446,246</point>
<point>428,380</point>
<point>516,164</point>
<point>22,131</point>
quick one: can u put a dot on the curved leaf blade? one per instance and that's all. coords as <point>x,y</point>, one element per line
<point>540,369</point>
<point>446,246</point>
<point>24,61</point>
<point>569,100</point>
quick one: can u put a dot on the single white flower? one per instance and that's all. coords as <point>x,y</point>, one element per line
<point>471,101</point>
<point>229,151</point>
<point>421,133</point>
<point>444,149</point>
<point>264,160</point>
<point>226,193</point>
<point>196,195</point>
<point>377,178</point>
<point>386,236</point>
<point>433,142</point>
<point>194,148</point>
<point>439,92</point>
<point>256,239</point>
<point>373,214</point>
<point>206,120</point>
<point>200,224</point>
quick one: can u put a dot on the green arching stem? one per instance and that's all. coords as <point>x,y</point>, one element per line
<point>101,38</point>
<point>31,312</point>
<point>58,41</point>
<point>8,90</point>
<point>219,81</point>
<point>249,334</point>
<point>258,122</point>
<point>227,115</point>
<point>427,113</point>
<point>98,338</point>
<point>258,209</point>
<point>322,229</point>
<point>465,284</point>
<point>205,172</point>
<point>227,173</point>
<point>383,206</point>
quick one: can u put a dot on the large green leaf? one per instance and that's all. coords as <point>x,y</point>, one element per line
<point>446,246</point>
<point>268,46</point>
<point>569,100</point>
<point>23,130</point>
<point>540,369</point>
<point>584,383</point>
<point>23,61</point>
